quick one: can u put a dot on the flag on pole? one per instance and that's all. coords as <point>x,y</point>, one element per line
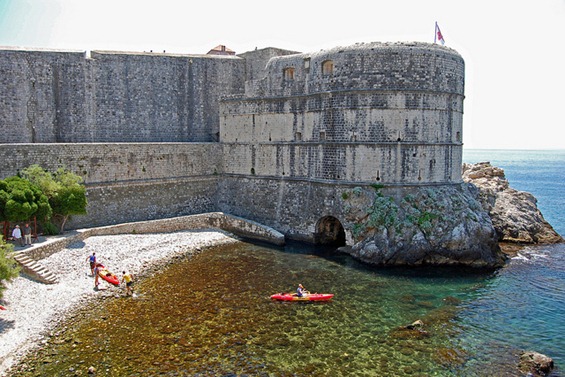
<point>438,36</point>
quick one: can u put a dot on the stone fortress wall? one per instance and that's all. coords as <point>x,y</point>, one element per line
<point>317,124</point>
<point>130,181</point>
<point>69,97</point>
<point>388,114</point>
<point>140,128</point>
<point>271,135</point>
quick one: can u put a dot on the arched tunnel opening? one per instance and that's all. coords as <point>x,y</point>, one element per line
<point>329,231</point>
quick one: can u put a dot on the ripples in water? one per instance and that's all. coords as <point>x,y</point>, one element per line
<point>211,315</point>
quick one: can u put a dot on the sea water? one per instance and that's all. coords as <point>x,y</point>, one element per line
<point>211,315</point>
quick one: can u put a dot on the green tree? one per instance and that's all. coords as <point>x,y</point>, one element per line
<point>9,269</point>
<point>42,178</point>
<point>65,190</point>
<point>20,200</point>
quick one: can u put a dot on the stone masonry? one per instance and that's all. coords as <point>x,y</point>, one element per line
<point>271,135</point>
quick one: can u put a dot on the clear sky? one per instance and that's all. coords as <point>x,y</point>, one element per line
<point>514,50</point>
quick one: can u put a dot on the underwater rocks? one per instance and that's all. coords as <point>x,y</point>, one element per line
<point>444,225</point>
<point>514,214</point>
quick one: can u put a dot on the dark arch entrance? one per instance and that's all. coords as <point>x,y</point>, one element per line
<point>329,231</point>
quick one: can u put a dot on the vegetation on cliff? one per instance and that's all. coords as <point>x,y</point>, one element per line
<point>422,225</point>
<point>460,224</point>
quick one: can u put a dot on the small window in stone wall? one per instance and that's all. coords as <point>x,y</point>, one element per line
<point>328,68</point>
<point>298,136</point>
<point>458,136</point>
<point>288,73</point>
<point>307,64</point>
<point>322,135</point>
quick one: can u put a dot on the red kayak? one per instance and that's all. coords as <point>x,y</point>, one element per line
<point>306,297</point>
<point>110,277</point>
<point>2,308</point>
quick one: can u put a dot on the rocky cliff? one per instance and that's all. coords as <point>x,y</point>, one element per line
<point>514,214</point>
<point>436,225</point>
<point>447,225</point>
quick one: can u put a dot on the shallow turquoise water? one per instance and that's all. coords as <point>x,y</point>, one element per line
<point>212,316</point>
<point>521,307</point>
<point>527,297</point>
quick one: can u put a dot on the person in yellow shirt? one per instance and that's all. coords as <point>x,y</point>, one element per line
<point>128,279</point>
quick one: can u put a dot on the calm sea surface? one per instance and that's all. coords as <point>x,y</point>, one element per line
<point>211,315</point>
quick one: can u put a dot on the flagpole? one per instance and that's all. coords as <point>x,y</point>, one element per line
<point>435,33</point>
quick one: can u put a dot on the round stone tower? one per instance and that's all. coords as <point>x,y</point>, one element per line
<point>387,113</point>
<point>313,125</point>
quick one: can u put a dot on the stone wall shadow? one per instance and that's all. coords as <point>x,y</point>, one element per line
<point>6,325</point>
<point>76,245</point>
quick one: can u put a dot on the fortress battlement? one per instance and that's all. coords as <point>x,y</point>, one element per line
<point>271,135</point>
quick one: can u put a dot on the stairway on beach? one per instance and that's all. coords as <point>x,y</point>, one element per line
<point>35,269</point>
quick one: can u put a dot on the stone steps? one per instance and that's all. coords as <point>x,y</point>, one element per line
<point>35,269</point>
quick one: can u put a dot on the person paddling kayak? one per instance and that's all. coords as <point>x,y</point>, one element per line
<point>300,291</point>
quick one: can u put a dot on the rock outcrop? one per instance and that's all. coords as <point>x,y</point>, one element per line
<point>514,214</point>
<point>535,364</point>
<point>457,225</point>
<point>434,225</point>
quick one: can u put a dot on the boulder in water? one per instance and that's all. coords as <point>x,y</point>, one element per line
<point>535,364</point>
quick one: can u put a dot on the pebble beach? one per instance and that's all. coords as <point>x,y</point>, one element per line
<point>34,308</point>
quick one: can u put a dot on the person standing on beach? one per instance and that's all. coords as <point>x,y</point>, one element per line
<point>17,235</point>
<point>128,279</point>
<point>95,272</point>
<point>92,260</point>
<point>27,234</point>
